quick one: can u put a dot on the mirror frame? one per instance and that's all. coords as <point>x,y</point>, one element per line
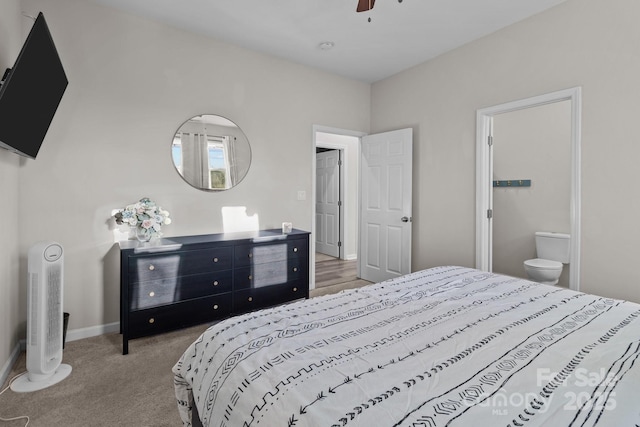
<point>221,137</point>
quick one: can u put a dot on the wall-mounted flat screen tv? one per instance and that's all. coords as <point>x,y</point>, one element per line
<point>31,92</point>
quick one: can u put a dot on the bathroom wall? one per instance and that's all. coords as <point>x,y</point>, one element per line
<point>535,144</point>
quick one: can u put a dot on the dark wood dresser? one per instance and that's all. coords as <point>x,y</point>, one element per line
<point>177,282</point>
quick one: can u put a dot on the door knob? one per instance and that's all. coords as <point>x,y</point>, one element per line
<point>405,219</point>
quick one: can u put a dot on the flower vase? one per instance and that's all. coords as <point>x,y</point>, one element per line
<point>143,235</point>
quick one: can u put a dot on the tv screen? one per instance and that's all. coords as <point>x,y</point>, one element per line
<point>31,92</point>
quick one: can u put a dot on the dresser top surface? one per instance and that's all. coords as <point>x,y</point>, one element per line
<point>178,242</point>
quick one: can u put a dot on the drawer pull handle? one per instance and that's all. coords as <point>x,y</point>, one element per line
<point>151,320</point>
<point>295,249</point>
<point>250,277</point>
<point>295,269</point>
<point>152,294</point>
<point>215,283</point>
<point>295,289</point>
<point>215,259</point>
<point>250,299</point>
<point>215,307</point>
<point>152,267</point>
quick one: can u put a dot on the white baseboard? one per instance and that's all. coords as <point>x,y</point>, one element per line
<point>92,331</point>
<point>6,369</point>
<point>351,257</point>
<point>72,335</point>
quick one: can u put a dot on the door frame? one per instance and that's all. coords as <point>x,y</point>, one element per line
<point>344,227</point>
<point>484,175</point>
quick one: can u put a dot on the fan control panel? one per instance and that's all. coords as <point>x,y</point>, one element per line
<point>53,252</point>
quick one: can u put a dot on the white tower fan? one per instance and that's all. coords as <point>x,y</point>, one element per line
<point>45,319</point>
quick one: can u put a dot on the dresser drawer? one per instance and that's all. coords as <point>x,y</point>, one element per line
<point>158,266</point>
<point>154,293</point>
<point>245,255</point>
<point>179,315</point>
<point>253,299</point>
<point>274,273</point>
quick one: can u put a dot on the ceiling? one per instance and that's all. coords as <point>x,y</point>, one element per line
<point>401,33</point>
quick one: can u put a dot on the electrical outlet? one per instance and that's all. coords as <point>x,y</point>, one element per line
<point>302,195</point>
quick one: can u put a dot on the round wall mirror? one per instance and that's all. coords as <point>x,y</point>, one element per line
<point>211,153</point>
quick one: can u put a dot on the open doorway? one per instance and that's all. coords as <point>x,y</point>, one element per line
<point>334,249</point>
<point>485,176</point>
<point>532,152</point>
<point>376,199</point>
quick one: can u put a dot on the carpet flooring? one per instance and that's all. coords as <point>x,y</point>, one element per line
<point>106,388</point>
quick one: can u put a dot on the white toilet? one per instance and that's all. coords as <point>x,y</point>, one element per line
<point>552,250</point>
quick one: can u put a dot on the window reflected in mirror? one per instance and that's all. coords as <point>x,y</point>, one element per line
<point>211,153</point>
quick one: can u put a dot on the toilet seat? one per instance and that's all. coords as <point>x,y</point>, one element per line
<point>543,264</point>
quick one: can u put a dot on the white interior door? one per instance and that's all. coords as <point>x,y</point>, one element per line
<point>386,204</point>
<point>328,203</point>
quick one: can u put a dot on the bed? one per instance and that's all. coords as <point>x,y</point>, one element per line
<point>448,346</point>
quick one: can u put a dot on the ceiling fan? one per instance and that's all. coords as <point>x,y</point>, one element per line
<point>365,5</point>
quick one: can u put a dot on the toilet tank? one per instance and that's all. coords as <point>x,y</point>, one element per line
<point>553,246</point>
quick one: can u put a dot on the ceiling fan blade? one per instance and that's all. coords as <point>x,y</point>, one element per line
<point>364,5</point>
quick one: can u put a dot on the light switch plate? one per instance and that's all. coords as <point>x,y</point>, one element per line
<point>302,195</point>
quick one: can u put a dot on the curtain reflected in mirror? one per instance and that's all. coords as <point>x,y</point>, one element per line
<point>211,153</point>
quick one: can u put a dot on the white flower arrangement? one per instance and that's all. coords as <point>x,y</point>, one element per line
<point>147,217</point>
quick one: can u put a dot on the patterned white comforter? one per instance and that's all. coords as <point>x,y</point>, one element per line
<point>448,346</point>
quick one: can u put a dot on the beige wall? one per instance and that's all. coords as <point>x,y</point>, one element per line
<point>588,43</point>
<point>132,84</point>
<point>535,144</point>
<point>10,42</point>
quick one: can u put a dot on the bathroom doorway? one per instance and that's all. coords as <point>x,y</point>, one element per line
<point>524,188</point>
<point>532,183</point>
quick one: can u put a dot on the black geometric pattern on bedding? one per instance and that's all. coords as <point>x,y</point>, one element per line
<point>441,346</point>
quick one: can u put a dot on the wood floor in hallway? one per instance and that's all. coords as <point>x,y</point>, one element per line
<point>334,275</point>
